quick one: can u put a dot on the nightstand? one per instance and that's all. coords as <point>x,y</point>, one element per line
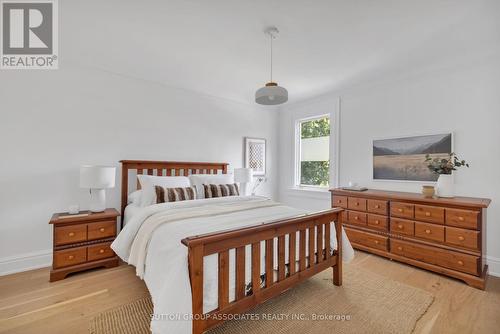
<point>82,242</point>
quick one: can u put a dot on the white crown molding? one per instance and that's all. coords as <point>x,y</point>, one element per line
<point>25,262</point>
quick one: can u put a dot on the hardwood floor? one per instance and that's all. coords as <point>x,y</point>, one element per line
<point>30,304</point>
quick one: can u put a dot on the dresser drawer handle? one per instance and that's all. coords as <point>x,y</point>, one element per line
<point>461,218</point>
<point>400,210</point>
<point>101,251</point>
<point>461,238</point>
<point>339,201</point>
<point>400,226</point>
<point>427,214</point>
<point>71,234</point>
<point>400,248</point>
<point>460,262</point>
<point>356,218</point>
<point>376,242</point>
<point>377,206</point>
<point>357,204</point>
<point>428,231</point>
<point>102,229</point>
<point>71,257</point>
<point>377,222</point>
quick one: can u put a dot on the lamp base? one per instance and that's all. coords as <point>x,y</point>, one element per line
<point>97,200</point>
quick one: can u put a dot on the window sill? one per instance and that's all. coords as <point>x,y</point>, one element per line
<point>317,193</point>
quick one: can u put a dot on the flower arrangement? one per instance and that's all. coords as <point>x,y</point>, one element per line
<point>444,165</point>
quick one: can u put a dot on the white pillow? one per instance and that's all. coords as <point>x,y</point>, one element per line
<point>148,183</point>
<point>198,180</point>
<point>135,197</point>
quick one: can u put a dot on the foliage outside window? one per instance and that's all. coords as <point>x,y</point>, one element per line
<point>314,146</point>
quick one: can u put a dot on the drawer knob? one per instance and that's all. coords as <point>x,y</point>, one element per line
<point>101,229</point>
<point>356,218</point>
<point>460,262</point>
<point>339,201</point>
<point>400,248</point>
<point>428,231</point>
<point>461,218</point>
<point>400,210</point>
<point>400,226</point>
<point>101,251</point>
<point>71,234</point>
<point>377,206</point>
<point>377,222</point>
<point>427,214</point>
<point>357,204</point>
<point>461,238</point>
<point>71,257</point>
<point>376,242</point>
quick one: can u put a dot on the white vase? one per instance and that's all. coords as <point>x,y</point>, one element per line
<point>445,186</point>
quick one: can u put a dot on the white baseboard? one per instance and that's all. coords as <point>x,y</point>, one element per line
<point>25,262</point>
<point>493,266</point>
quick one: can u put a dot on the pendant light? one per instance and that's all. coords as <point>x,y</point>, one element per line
<point>271,93</point>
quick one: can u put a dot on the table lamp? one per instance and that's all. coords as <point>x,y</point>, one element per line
<point>97,179</point>
<point>243,176</point>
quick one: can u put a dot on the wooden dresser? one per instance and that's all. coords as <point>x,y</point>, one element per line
<point>445,235</point>
<point>83,242</point>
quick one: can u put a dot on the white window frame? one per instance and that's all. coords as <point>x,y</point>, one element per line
<point>297,161</point>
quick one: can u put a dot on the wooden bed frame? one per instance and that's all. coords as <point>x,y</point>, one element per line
<point>220,243</point>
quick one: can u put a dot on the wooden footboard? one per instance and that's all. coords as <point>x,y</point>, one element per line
<point>318,225</point>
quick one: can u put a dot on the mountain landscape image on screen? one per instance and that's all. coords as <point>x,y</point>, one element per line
<point>403,158</point>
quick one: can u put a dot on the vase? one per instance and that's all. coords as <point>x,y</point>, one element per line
<point>445,186</point>
<point>428,191</point>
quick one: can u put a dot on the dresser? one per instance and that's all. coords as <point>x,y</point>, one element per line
<point>82,242</point>
<point>444,235</point>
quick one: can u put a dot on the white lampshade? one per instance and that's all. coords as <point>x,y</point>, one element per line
<point>97,177</point>
<point>243,175</point>
<point>271,94</point>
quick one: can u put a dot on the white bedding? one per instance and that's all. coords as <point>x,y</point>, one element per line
<point>130,210</point>
<point>165,268</point>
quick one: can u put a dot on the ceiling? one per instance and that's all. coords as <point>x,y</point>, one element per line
<point>218,47</point>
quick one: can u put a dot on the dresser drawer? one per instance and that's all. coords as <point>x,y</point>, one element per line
<point>355,203</point>
<point>377,221</point>
<point>339,202</point>
<point>437,256</point>
<point>356,218</point>
<point>402,226</point>
<point>462,218</point>
<point>100,230</point>
<point>70,234</point>
<point>431,232</point>
<point>462,237</point>
<point>402,210</point>
<point>376,206</point>
<point>367,239</point>
<point>99,251</point>
<point>70,257</point>
<point>345,218</point>
<point>432,214</point>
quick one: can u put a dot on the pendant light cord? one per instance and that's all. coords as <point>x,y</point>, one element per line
<point>270,35</point>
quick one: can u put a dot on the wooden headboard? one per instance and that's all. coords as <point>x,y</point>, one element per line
<point>164,168</point>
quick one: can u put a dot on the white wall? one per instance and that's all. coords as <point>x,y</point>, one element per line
<point>54,121</point>
<point>464,99</point>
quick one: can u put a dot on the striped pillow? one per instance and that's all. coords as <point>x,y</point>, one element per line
<point>221,190</point>
<point>164,195</point>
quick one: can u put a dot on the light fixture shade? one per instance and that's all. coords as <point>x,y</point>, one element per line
<point>243,175</point>
<point>271,94</point>
<point>97,177</point>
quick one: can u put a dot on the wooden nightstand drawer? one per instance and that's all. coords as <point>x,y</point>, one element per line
<point>70,257</point>
<point>99,251</point>
<point>402,226</point>
<point>402,210</point>
<point>70,234</point>
<point>431,214</point>
<point>462,218</point>
<point>431,232</point>
<point>100,230</point>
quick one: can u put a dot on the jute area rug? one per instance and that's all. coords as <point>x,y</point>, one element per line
<point>366,303</point>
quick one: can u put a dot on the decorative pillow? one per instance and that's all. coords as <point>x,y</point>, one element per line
<point>164,195</point>
<point>198,180</point>
<point>148,183</point>
<point>220,190</point>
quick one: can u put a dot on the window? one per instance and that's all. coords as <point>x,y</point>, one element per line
<point>313,152</point>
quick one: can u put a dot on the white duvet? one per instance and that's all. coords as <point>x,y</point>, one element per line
<point>151,241</point>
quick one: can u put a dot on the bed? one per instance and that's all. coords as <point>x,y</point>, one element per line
<point>204,260</point>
